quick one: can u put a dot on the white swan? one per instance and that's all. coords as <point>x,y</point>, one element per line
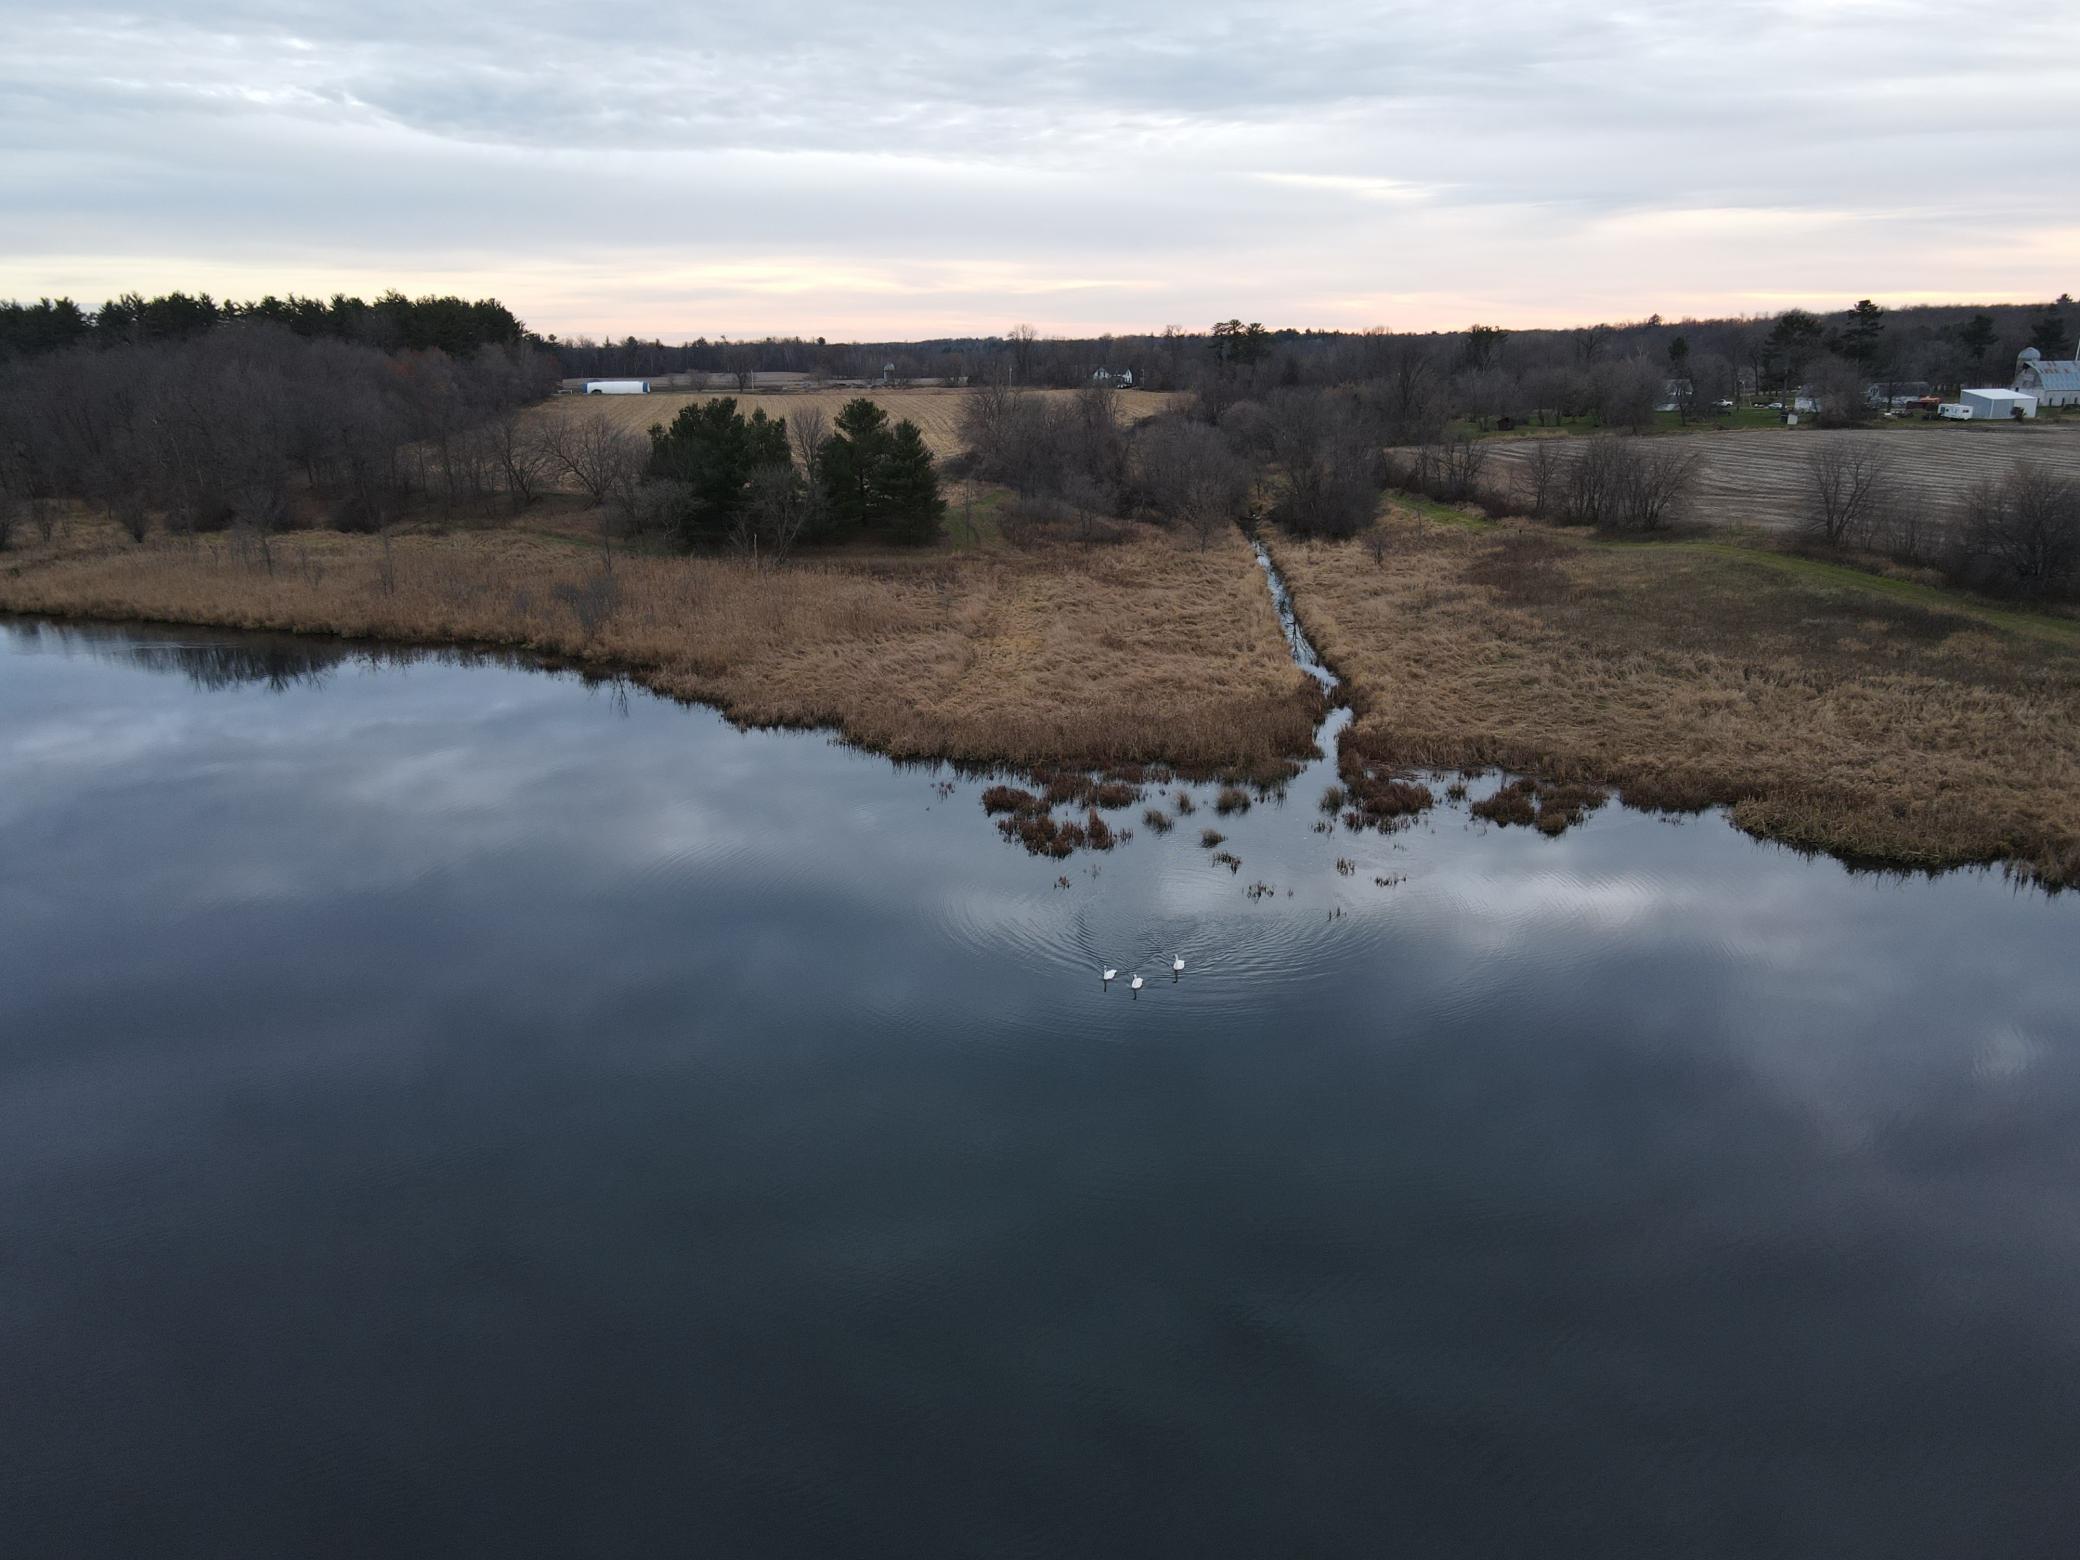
<point>1137,983</point>
<point>1177,965</point>
<point>1111,976</point>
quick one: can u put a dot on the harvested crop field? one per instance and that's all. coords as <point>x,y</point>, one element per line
<point>937,412</point>
<point>1146,651</point>
<point>1759,478</point>
<point>1821,708</point>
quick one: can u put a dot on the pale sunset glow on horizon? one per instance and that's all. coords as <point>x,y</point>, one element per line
<point>921,172</point>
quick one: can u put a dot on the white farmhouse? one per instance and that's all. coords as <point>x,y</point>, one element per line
<point>2053,381</point>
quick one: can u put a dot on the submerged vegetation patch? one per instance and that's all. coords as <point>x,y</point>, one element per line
<point>1376,797</point>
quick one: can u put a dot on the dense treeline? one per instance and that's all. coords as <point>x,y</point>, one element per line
<point>393,323</point>
<point>199,417</point>
<point>250,424</point>
<point>1486,371</point>
<point>1617,373</point>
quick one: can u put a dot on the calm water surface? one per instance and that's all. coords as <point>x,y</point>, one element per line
<point>449,1109</point>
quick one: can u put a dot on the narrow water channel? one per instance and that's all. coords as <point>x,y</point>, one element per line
<point>1289,621</point>
<point>447,1107</point>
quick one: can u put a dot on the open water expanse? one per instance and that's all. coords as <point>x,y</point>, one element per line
<point>450,1109</point>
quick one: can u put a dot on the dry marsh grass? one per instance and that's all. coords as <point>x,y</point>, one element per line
<point>936,411</point>
<point>1150,651</point>
<point>1826,714</point>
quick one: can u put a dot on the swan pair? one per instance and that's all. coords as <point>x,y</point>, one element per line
<point>1176,969</point>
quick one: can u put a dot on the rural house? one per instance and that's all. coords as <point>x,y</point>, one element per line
<point>2053,381</point>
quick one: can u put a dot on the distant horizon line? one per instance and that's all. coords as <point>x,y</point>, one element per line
<point>573,336</point>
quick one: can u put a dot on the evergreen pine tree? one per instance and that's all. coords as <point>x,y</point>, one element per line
<point>853,458</point>
<point>909,483</point>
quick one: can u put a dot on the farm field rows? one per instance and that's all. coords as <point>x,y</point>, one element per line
<point>1759,479</point>
<point>937,412</point>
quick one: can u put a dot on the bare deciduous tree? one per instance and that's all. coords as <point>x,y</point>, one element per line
<point>986,419</point>
<point>774,515</point>
<point>518,450</point>
<point>1838,387</point>
<point>1184,470</point>
<point>600,455</point>
<point>1628,484</point>
<point>1661,479</point>
<point>1022,338</point>
<point>1848,483</point>
<point>742,362</point>
<point>2025,528</point>
<point>1325,460</point>
<point>1542,477</point>
<point>1626,392</point>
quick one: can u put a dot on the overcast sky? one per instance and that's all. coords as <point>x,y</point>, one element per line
<point>948,167</point>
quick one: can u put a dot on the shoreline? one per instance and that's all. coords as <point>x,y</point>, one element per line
<point>1044,659</point>
<point>552,662</point>
<point>1461,651</point>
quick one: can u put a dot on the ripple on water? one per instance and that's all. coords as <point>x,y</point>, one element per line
<point>1239,954</point>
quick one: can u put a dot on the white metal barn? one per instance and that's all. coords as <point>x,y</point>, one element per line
<point>2053,381</point>
<point>1998,405</point>
<point>617,387</point>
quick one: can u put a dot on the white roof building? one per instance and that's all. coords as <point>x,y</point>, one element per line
<point>2053,381</point>
<point>1995,405</point>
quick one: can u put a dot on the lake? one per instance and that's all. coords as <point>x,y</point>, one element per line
<point>450,1108</point>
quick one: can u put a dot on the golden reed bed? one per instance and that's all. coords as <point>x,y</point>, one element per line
<point>1822,714</point>
<point>1145,651</point>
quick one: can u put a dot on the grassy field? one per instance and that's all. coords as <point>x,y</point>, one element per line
<point>1760,480</point>
<point>1822,707</point>
<point>937,412</point>
<point>1149,650</point>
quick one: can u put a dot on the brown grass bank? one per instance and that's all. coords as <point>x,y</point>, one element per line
<point>1146,651</point>
<point>1825,713</point>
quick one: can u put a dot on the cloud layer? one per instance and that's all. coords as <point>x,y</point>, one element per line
<point>851,171</point>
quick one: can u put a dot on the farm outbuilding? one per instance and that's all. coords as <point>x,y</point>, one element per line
<point>1993,405</point>
<point>617,387</point>
<point>2053,381</point>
